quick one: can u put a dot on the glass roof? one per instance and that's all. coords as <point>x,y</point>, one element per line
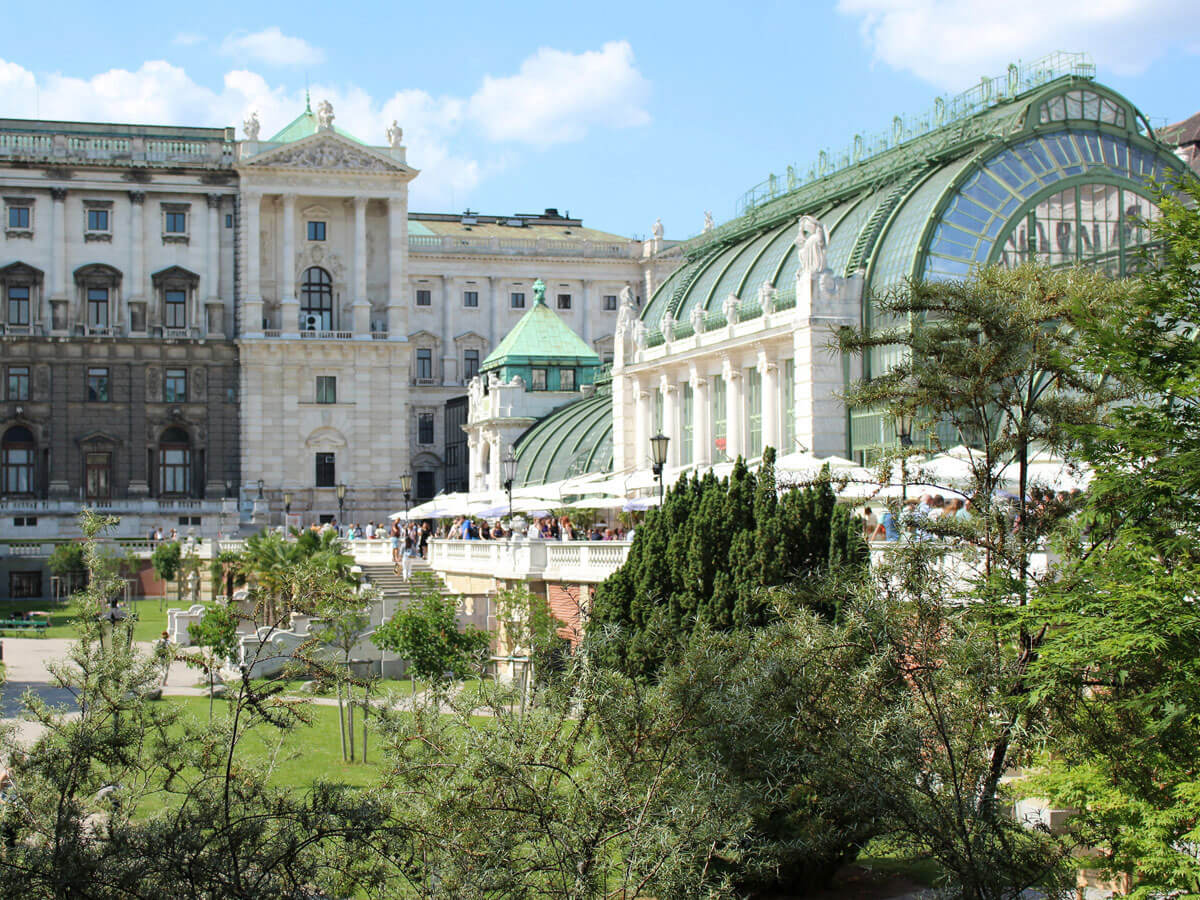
<point>575,439</point>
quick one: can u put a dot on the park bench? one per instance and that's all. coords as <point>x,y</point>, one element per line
<point>24,624</point>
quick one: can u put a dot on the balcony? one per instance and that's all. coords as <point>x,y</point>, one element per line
<point>587,562</point>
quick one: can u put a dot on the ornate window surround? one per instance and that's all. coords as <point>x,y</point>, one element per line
<point>97,234</point>
<point>29,203</point>
<point>95,275</point>
<point>21,274</point>
<point>169,279</point>
<point>176,237</point>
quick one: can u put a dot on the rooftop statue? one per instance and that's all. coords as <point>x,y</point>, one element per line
<point>539,292</point>
<point>810,245</point>
<point>697,317</point>
<point>657,230</point>
<point>395,135</point>
<point>626,315</point>
<point>325,114</point>
<point>251,126</point>
<point>709,224</point>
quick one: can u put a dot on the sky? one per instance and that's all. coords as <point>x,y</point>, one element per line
<point>620,112</point>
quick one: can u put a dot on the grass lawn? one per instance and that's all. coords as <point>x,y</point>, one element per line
<point>879,857</point>
<point>151,621</point>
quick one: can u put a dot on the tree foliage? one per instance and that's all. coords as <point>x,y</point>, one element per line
<point>426,633</point>
<point>709,557</point>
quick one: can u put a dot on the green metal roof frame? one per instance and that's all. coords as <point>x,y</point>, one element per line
<point>541,338</point>
<point>575,439</point>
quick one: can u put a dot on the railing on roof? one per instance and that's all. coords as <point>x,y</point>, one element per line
<point>116,149</point>
<point>540,246</point>
<point>987,93</point>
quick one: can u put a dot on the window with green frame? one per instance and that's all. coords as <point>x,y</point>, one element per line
<point>685,431</point>
<point>719,432</point>
<point>789,406</point>
<point>753,412</point>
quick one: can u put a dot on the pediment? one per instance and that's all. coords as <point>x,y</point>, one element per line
<point>328,152</point>
<point>424,336</point>
<point>470,336</point>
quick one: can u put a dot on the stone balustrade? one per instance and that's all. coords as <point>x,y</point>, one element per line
<point>204,147</point>
<point>496,246</point>
<point>588,562</point>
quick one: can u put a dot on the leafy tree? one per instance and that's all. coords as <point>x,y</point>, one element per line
<point>216,634</point>
<point>426,633</point>
<point>527,625</point>
<point>167,560</point>
<point>1119,668</point>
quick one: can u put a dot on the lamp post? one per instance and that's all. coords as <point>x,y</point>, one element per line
<point>658,456</point>
<point>510,474</point>
<point>287,506</point>
<point>406,487</point>
<point>260,487</point>
<point>904,424</point>
<point>341,494</point>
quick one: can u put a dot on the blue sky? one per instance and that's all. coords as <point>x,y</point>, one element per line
<point>619,112</point>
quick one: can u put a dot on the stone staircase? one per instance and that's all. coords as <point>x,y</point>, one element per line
<point>394,589</point>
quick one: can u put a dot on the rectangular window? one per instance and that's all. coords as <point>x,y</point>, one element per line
<point>97,475</point>
<point>718,419</point>
<point>175,309</point>
<point>97,220</point>
<point>229,220</point>
<point>326,470</point>
<point>789,406</point>
<point>175,386</point>
<point>516,300</point>
<point>18,305</point>
<point>97,385</point>
<point>425,485</point>
<point>174,470</point>
<point>425,363</point>
<point>566,379</point>
<point>25,522</point>
<point>175,222</point>
<point>685,432</point>
<point>25,585</point>
<point>18,217</point>
<point>754,400</point>
<point>97,307</point>
<point>564,301</point>
<point>425,428</point>
<point>327,389</point>
<point>470,364</point>
<point>610,302</point>
<point>18,383</point>
<point>471,298</point>
<point>538,380</point>
<point>424,298</point>
<point>316,231</point>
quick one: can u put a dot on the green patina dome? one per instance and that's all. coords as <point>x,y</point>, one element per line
<point>542,340</point>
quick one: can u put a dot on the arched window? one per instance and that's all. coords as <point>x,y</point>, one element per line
<point>316,300</point>
<point>16,460</point>
<point>175,462</point>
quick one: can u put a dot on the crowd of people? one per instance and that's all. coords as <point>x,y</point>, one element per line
<point>916,514</point>
<point>544,528</point>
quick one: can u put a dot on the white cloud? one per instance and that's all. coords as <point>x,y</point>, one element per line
<point>951,43</point>
<point>187,39</point>
<point>442,133</point>
<point>273,47</point>
<point>558,96</point>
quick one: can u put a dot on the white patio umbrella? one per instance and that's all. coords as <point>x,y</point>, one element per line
<point>638,504</point>
<point>443,506</point>
<point>599,503</point>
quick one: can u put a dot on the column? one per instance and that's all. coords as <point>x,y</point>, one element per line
<point>211,290</point>
<point>770,402</point>
<point>285,267</point>
<point>585,309</point>
<point>252,310</point>
<point>361,309</point>
<point>493,301</point>
<point>701,418</point>
<point>446,344</point>
<point>398,294</point>
<point>137,244</point>
<point>670,392</point>
<point>734,410</point>
<point>641,422</point>
<point>58,262</point>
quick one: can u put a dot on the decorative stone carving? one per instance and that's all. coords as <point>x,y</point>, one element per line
<point>153,384</point>
<point>626,315</point>
<point>200,383</point>
<point>395,135</point>
<point>327,155</point>
<point>766,297</point>
<point>730,307</point>
<point>41,382</point>
<point>639,334</point>
<point>657,230</point>
<point>517,382</point>
<point>539,292</point>
<point>137,198</point>
<point>667,326</point>
<point>251,127</point>
<point>697,320</point>
<point>494,381</point>
<point>709,224</point>
<point>317,254</point>
<point>325,115</point>
<point>810,245</point>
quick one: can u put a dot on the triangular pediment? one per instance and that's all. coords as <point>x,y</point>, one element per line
<point>328,151</point>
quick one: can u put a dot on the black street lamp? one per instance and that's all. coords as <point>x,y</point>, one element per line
<point>406,487</point>
<point>510,474</point>
<point>904,424</point>
<point>658,456</point>
<point>287,505</point>
<point>341,492</point>
<point>260,487</point>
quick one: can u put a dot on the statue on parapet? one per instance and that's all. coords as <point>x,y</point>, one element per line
<point>325,115</point>
<point>657,230</point>
<point>810,243</point>
<point>539,292</point>
<point>395,135</point>
<point>709,224</point>
<point>251,127</point>
<point>697,319</point>
<point>626,314</point>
